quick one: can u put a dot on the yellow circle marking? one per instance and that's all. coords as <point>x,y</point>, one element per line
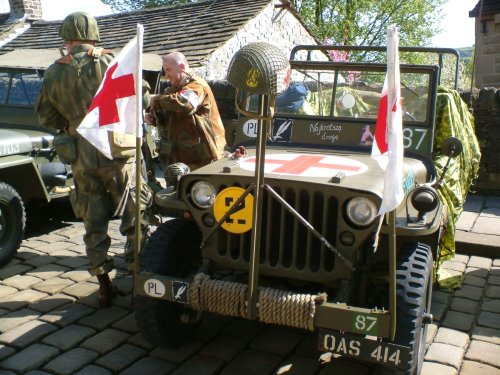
<point>239,221</point>
<point>253,76</point>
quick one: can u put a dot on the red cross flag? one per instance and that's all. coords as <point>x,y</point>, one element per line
<point>388,147</point>
<point>115,106</point>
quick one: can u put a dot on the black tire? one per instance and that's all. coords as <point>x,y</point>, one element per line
<point>12,222</point>
<point>413,302</point>
<point>172,250</point>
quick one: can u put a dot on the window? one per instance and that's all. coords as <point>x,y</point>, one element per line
<point>24,88</point>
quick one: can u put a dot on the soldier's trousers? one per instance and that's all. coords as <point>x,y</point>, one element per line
<point>99,191</point>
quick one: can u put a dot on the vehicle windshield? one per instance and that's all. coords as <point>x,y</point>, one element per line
<point>351,94</point>
<point>19,88</point>
<point>336,107</point>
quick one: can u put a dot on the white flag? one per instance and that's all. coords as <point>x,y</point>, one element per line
<point>388,147</point>
<point>115,105</point>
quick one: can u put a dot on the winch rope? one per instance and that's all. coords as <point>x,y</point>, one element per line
<point>274,306</point>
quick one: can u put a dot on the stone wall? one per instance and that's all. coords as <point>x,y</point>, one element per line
<point>273,25</point>
<point>31,8</point>
<point>487,70</point>
<point>486,104</point>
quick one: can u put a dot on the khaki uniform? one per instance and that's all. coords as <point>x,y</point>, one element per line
<point>69,85</point>
<point>189,124</point>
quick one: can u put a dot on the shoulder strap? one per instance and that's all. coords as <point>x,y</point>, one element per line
<point>95,53</point>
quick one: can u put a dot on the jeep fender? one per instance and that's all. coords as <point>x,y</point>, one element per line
<point>21,172</point>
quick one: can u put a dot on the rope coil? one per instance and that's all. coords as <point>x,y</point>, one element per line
<point>274,306</point>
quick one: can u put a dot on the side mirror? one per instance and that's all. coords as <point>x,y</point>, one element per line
<point>451,147</point>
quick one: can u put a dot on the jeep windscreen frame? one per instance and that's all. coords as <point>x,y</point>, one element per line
<point>321,122</point>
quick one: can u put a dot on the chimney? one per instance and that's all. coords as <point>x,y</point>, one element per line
<point>32,9</point>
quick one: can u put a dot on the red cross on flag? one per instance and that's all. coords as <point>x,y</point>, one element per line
<point>388,147</point>
<point>115,106</point>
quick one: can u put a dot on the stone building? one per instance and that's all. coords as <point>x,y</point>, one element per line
<point>207,32</point>
<point>18,17</point>
<point>487,68</point>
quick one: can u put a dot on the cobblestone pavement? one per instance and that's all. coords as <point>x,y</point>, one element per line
<point>50,324</point>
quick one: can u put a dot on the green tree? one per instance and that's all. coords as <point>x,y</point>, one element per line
<point>364,22</point>
<point>125,5</point>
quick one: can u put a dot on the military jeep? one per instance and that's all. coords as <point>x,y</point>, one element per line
<point>307,259</point>
<point>31,174</point>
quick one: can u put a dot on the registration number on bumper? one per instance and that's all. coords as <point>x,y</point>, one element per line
<point>362,348</point>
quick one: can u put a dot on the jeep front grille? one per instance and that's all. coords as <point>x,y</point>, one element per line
<point>287,248</point>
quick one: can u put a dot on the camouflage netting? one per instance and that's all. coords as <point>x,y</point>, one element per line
<point>454,119</point>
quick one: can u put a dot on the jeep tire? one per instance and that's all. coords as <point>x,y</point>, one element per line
<point>172,250</point>
<point>413,301</point>
<point>12,222</point>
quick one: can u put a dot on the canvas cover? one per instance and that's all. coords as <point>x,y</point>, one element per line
<point>454,119</point>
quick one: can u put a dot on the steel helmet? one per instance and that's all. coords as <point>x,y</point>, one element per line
<point>79,26</point>
<point>259,68</point>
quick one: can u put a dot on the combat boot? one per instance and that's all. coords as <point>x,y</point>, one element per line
<point>107,291</point>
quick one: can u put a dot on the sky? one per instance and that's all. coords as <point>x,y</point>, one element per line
<point>458,28</point>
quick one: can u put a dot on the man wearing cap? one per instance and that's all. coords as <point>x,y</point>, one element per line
<point>102,186</point>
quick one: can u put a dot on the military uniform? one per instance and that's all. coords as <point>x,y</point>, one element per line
<point>69,85</point>
<point>189,124</point>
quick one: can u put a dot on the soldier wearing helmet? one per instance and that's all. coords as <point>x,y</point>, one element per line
<point>187,117</point>
<point>102,186</point>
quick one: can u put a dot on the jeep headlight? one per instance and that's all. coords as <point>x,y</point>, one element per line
<point>203,194</point>
<point>361,211</point>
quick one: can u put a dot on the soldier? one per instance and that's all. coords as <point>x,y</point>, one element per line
<point>102,185</point>
<point>187,116</point>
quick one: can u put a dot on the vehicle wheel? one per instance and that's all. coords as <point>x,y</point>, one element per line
<point>413,302</point>
<point>172,250</point>
<point>12,222</point>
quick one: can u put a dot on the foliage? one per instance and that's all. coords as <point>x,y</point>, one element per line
<point>126,5</point>
<point>364,22</point>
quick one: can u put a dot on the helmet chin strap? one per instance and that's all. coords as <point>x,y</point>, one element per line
<point>255,115</point>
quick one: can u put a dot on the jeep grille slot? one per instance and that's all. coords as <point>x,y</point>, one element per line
<point>287,248</point>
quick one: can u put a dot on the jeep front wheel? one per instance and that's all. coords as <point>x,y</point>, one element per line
<point>172,250</point>
<point>12,222</point>
<point>413,302</point>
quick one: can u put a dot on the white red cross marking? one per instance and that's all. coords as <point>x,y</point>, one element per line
<point>307,165</point>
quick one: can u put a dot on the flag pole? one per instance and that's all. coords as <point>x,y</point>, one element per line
<point>393,96</point>
<point>138,148</point>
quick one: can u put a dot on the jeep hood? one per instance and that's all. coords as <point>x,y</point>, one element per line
<point>346,170</point>
<point>14,142</point>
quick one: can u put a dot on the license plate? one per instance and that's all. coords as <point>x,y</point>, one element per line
<point>359,347</point>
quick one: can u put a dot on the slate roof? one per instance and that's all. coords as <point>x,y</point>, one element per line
<point>195,29</point>
<point>490,7</point>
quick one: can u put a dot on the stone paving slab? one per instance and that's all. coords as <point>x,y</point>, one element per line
<point>477,368</point>
<point>449,355</point>
<point>68,337</point>
<point>50,303</point>
<point>149,365</point>
<point>71,361</point>
<point>21,299</point>
<point>434,368</point>
<point>484,352</point>
<point>105,341</point>
<point>31,358</point>
<point>16,318</point>
<point>486,334</point>
<point>27,333</point>
<point>121,357</point>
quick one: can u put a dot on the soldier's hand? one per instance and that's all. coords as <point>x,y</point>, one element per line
<point>150,118</point>
<point>153,101</point>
